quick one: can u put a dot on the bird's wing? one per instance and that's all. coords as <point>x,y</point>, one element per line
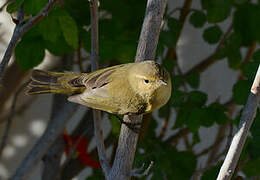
<point>96,94</point>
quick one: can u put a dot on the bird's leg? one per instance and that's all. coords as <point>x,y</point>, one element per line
<point>130,125</point>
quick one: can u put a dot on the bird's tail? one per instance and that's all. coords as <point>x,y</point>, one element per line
<point>55,82</point>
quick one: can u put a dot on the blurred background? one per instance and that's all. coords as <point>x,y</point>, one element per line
<point>209,46</point>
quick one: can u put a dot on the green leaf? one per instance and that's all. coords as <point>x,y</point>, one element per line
<point>168,64</point>
<point>171,36</point>
<point>167,161</point>
<point>234,58</point>
<point>178,98</point>
<point>59,47</point>
<point>164,111</point>
<point>232,44</point>
<point>251,168</point>
<point>49,28</point>
<point>177,81</point>
<point>212,34</point>
<point>216,112</point>
<point>34,6</point>
<point>254,147</point>
<point>238,2</point>
<point>29,52</point>
<point>97,174</point>
<point>256,56</point>
<point>79,10</point>
<point>193,79</point>
<point>249,69</point>
<point>194,119</point>
<point>241,91</point>
<point>212,173</point>
<point>14,6</point>
<point>115,125</point>
<point>69,29</point>
<point>198,19</point>
<point>248,15</point>
<point>217,10</point>
<point>196,99</point>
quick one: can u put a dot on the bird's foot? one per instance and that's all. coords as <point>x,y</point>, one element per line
<point>135,127</point>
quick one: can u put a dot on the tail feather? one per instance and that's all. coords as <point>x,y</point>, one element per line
<point>54,82</point>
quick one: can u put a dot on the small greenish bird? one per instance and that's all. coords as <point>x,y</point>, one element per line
<point>134,88</point>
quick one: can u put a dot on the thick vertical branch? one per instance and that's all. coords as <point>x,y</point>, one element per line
<point>151,30</point>
<point>124,158</point>
<point>94,66</point>
<point>239,139</point>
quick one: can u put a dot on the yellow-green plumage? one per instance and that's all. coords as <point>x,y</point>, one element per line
<point>133,88</point>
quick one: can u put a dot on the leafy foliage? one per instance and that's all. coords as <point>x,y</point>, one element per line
<point>66,29</point>
<point>217,10</point>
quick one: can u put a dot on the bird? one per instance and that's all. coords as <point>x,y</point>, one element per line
<point>125,89</point>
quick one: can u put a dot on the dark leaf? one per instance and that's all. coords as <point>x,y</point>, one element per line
<point>212,173</point>
<point>14,6</point>
<point>193,79</point>
<point>34,6</point>
<point>250,69</point>
<point>29,52</point>
<point>198,19</point>
<point>241,91</point>
<point>69,28</point>
<point>248,16</point>
<point>212,34</point>
<point>217,10</point>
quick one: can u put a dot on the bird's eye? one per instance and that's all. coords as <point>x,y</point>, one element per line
<point>146,81</point>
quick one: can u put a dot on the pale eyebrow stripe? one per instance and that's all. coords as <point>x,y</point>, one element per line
<point>140,76</point>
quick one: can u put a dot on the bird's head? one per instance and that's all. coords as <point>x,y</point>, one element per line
<point>148,78</point>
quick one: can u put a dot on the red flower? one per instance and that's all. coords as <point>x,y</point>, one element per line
<point>80,144</point>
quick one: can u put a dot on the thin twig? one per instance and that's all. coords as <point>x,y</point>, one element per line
<point>15,37</point>
<point>79,57</point>
<point>218,141</point>
<point>165,124</point>
<point>175,138</point>
<point>239,139</point>
<point>204,64</point>
<point>19,30</point>
<point>136,172</point>
<point>250,52</point>
<point>10,119</point>
<point>94,66</point>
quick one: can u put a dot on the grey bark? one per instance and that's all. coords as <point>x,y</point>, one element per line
<point>240,137</point>
<point>124,158</point>
<point>94,66</point>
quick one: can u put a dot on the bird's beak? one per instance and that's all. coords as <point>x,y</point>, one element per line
<point>163,82</point>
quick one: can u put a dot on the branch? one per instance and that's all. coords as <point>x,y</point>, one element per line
<point>12,80</point>
<point>204,64</point>
<point>10,119</point>
<point>53,130</point>
<point>149,37</point>
<point>52,160</point>
<point>94,66</point>
<point>61,113</point>
<point>19,30</point>
<point>124,158</point>
<point>239,139</point>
